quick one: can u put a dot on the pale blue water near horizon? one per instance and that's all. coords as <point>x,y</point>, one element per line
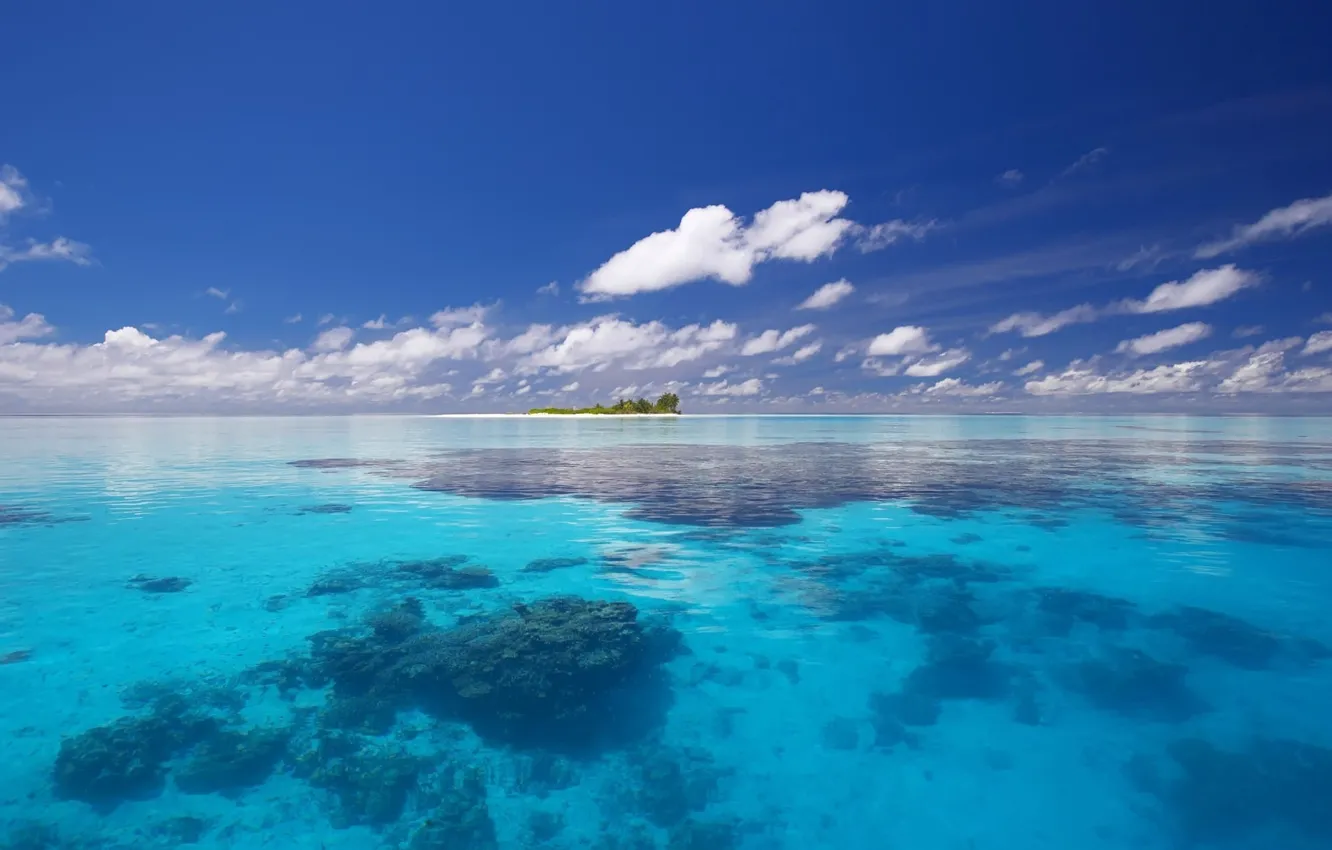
<point>963,633</point>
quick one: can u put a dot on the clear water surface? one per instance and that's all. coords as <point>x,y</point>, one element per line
<point>695,634</point>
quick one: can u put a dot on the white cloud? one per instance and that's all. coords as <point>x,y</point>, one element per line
<point>31,326</point>
<point>1256,374</point>
<point>1176,378</point>
<point>932,367</point>
<point>458,316</point>
<point>333,339</point>
<point>494,376</point>
<point>1205,287</point>
<point>1318,343</point>
<point>1031,324</point>
<point>1246,331</point>
<point>327,318</point>
<point>293,319</point>
<point>845,352</point>
<point>377,324</point>
<point>1030,369</point>
<point>1147,256</point>
<point>233,308</point>
<point>552,288</point>
<point>568,388</point>
<point>1087,160</point>
<point>1166,339</point>
<point>1202,289</point>
<point>713,243</point>
<point>13,190</point>
<point>59,248</point>
<point>1282,223</point>
<point>906,339</point>
<point>607,340</point>
<point>956,387</point>
<point>1010,353</point>
<point>1011,177</point>
<point>221,294</point>
<point>716,371</point>
<point>827,295</point>
<point>722,388</point>
<point>522,390</point>
<point>881,368</point>
<point>880,236</point>
<point>800,355</point>
<point>774,340</point>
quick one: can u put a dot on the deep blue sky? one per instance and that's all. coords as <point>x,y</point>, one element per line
<point>334,159</point>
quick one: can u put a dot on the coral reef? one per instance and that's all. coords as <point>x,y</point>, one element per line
<point>327,508</point>
<point>126,760</point>
<point>460,819</point>
<point>1221,636</point>
<point>959,668</point>
<point>369,783</point>
<point>1132,683</point>
<point>546,565</point>
<point>230,761</point>
<point>1062,608</point>
<point>671,784</point>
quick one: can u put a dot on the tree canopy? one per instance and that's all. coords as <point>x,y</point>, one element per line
<point>665,403</point>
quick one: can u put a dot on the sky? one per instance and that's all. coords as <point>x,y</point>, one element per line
<point>779,207</point>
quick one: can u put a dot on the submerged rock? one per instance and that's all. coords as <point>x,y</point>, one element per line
<point>335,584</point>
<point>168,584</point>
<point>1221,636</point>
<point>546,565</point>
<point>1219,796</point>
<point>16,656</point>
<point>1062,608</point>
<point>908,708</point>
<point>328,508</point>
<point>671,784</point>
<point>1132,683</point>
<point>959,668</point>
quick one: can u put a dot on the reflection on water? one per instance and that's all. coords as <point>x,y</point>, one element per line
<point>696,633</point>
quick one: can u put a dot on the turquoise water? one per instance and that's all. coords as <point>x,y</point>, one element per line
<point>696,634</point>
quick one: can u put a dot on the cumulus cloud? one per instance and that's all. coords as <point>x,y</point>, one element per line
<point>1202,289</point>
<point>1011,177</point>
<point>880,236</point>
<point>906,339</point>
<point>713,243</point>
<point>774,340</point>
<point>932,367</point>
<point>458,316</point>
<point>31,326</point>
<point>568,388</point>
<point>1318,343</point>
<point>1031,324</point>
<point>1165,340</point>
<point>58,249</point>
<point>608,340</point>
<point>827,295</point>
<point>1030,369</point>
<point>378,324</point>
<point>800,355</point>
<point>333,339</point>
<point>220,294</point>
<point>751,387</point>
<point>1282,223</point>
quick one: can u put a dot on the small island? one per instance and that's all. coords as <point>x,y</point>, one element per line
<point>667,403</point>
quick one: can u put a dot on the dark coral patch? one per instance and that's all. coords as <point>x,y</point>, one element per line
<point>327,508</point>
<point>1221,636</point>
<point>167,584</point>
<point>1132,683</point>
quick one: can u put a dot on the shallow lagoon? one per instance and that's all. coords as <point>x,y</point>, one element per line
<point>695,633</point>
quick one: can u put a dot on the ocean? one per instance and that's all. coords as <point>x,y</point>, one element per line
<point>701,633</point>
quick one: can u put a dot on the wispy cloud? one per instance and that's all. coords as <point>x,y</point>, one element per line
<point>220,294</point>
<point>1283,223</point>
<point>1165,340</point>
<point>774,340</point>
<point>880,236</point>
<point>552,288</point>
<point>1202,289</point>
<point>1011,178</point>
<point>827,295</point>
<point>1086,161</point>
<point>800,355</point>
<point>293,319</point>
<point>58,249</point>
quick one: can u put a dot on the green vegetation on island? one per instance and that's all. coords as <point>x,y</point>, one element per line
<point>666,403</point>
